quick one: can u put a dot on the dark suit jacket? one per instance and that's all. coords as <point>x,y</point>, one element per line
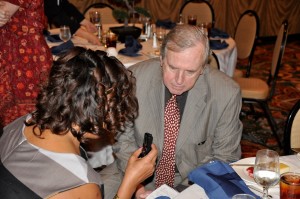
<point>210,127</point>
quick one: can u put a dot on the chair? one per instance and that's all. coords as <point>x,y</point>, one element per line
<point>105,10</point>
<point>255,90</point>
<point>213,60</point>
<point>203,10</point>
<point>245,36</point>
<point>292,131</point>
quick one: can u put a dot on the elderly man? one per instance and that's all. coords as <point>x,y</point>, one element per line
<point>191,109</point>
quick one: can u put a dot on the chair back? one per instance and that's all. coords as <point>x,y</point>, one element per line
<point>277,56</point>
<point>245,36</point>
<point>292,130</point>
<point>213,60</point>
<point>203,9</point>
<point>105,10</point>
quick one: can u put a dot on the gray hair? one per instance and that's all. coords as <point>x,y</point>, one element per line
<point>182,37</point>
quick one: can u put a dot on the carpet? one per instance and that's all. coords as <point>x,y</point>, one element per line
<point>257,133</point>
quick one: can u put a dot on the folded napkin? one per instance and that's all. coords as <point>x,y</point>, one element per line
<point>64,47</point>
<point>132,47</point>
<point>214,32</point>
<point>219,180</point>
<point>217,44</point>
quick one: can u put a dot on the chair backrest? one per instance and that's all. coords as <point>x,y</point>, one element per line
<point>213,60</point>
<point>105,10</point>
<point>277,56</point>
<point>292,130</point>
<point>203,9</point>
<point>245,36</point>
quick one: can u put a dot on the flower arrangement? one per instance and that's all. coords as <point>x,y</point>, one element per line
<point>128,12</point>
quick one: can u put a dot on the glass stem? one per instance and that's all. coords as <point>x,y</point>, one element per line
<point>265,193</point>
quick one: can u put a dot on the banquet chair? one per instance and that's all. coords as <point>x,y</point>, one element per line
<point>245,36</point>
<point>105,10</point>
<point>292,131</point>
<point>258,91</point>
<point>203,9</point>
<point>213,60</point>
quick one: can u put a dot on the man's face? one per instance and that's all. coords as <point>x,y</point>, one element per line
<point>182,69</point>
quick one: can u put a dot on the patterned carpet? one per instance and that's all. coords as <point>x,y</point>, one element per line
<point>257,133</point>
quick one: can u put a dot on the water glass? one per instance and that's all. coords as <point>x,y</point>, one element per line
<point>266,169</point>
<point>65,33</point>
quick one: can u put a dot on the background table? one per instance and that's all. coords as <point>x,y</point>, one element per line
<point>227,57</point>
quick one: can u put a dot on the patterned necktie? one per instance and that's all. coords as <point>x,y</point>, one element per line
<point>165,171</point>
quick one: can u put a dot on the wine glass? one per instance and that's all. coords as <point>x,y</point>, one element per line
<point>95,18</point>
<point>65,33</point>
<point>266,169</point>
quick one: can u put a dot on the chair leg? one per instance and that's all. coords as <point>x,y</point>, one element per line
<point>271,121</point>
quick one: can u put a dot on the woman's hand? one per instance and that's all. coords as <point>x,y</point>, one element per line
<point>88,26</point>
<point>93,39</point>
<point>137,170</point>
<point>4,15</point>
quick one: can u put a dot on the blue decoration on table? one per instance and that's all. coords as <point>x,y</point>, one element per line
<point>132,47</point>
<point>217,44</point>
<point>62,48</point>
<point>219,180</point>
<point>214,32</point>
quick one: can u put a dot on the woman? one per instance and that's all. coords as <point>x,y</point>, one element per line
<point>88,96</point>
<point>25,58</point>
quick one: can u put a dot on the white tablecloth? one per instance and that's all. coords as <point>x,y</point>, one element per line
<point>227,57</point>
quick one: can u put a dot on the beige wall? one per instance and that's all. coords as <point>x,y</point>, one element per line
<point>227,12</point>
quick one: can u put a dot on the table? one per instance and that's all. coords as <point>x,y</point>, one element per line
<point>291,160</point>
<point>227,57</point>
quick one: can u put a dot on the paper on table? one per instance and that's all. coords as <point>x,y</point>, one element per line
<point>10,8</point>
<point>192,192</point>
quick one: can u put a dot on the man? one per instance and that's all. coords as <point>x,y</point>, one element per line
<point>209,105</point>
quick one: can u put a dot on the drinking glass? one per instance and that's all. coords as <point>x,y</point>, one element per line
<point>192,20</point>
<point>160,34</point>
<point>266,169</point>
<point>65,33</point>
<point>95,18</point>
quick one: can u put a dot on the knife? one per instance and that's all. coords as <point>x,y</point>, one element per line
<point>242,165</point>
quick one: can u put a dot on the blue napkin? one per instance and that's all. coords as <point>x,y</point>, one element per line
<point>214,32</point>
<point>165,24</point>
<point>64,47</point>
<point>132,47</point>
<point>219,180</point>
<point>217,44</point>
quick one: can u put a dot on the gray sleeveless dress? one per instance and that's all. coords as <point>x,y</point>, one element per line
<point>44,172</point>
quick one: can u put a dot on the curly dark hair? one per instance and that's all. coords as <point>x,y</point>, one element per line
<point>88,89</point>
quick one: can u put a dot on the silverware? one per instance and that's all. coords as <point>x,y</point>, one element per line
<point>257,189</point>
<point>242,165</point>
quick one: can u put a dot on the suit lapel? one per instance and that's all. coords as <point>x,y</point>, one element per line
<point>195,104</point>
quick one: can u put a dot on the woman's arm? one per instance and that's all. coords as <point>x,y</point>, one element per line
<point>137,170</point>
